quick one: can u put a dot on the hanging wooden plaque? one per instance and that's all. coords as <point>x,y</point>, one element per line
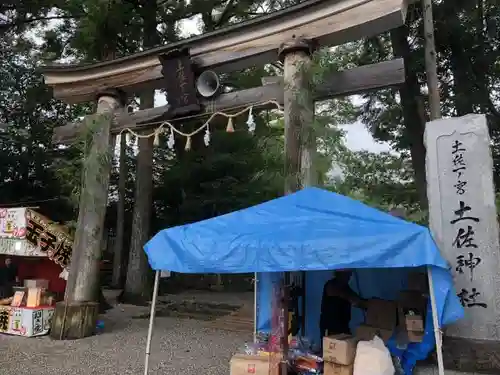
<point>179,81</point>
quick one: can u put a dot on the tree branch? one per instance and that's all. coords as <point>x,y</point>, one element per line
<point>225,13</point>
<point>20,22</point>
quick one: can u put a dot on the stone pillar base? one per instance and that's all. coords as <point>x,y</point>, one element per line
<point>470,356</point>
<point>74,321</point>
<point>434,371</point>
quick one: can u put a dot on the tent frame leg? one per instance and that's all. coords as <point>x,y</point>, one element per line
<point>151,322</point>
<point>437,329</point>
<point>255,281</point>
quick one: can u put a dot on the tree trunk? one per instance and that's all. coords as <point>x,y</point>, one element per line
<point>431,61</point>
<point>462,84</point>
<point>413,115</point>
<point>138,282</point>
<point>118,251</point>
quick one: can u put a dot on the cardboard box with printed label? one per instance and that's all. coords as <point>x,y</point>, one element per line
<point>366,333</point>
<point>242,364</point>
<point>381,314</point>
<point>336,369</point>
<point>414,323</point>
<point>339,349</point>
<point>414,326</point>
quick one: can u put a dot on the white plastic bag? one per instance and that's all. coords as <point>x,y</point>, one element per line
<point>373,358</point>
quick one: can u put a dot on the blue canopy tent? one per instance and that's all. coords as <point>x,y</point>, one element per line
<point>312,230</point>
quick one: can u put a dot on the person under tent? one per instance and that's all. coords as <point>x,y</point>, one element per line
<point>336,303</point>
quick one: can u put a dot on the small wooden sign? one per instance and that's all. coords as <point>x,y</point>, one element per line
<point>179,81</point>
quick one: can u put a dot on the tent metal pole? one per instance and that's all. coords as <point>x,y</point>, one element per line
<point>151,322</point>
<point>255,281</point>
<point>303,319</point>
<point>437,330</point>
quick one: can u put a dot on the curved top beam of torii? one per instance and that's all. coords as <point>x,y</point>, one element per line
<point>254,42</point>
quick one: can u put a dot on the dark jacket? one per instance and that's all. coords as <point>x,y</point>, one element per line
<point>7,280</point>
<point>335,310</point>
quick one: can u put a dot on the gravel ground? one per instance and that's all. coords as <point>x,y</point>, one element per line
<point>200,296</point>
<point>178,346</point>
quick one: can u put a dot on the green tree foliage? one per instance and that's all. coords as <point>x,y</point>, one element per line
<point>28,114</point>
<point>386,177</point>
<point>467,44</point>
<point>230,174</point>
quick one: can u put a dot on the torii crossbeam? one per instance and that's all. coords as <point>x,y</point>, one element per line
<point>250,43</point>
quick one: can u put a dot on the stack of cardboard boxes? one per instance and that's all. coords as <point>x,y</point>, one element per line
<point>406,317</point>
<point>381,320</point>
<point>412,307</point>
<point>384,318</point>
<point>339,352</point>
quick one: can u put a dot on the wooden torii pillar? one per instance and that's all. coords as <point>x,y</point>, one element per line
<point>300,142</point>
<point>255,42</point>
<point>76,316</point>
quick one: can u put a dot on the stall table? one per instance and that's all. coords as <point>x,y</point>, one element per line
<point>26,321</point>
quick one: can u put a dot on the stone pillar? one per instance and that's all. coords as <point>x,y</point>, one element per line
<point>463,221</point>
<point>76,316</point>
<point>300,142</point>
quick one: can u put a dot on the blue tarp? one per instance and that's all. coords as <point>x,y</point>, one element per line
<point>311,230</point>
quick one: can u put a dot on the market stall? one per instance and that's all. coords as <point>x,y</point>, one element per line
<point>26,321</point>
<point>317,231</point>
<point>40,250</point>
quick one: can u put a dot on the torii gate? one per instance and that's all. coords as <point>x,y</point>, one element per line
<point>290,34</point>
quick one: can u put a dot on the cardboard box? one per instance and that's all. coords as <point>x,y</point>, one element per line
<point>417,281</point>
<point>339,349</point>
<point>414,323</point>
<point>36,283</point>
<point>366,333</point>
<point>335,369</point>
<point>381,314</point>
<point>414,326</point>
<point>242,364</point>
<point>414,336</point>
